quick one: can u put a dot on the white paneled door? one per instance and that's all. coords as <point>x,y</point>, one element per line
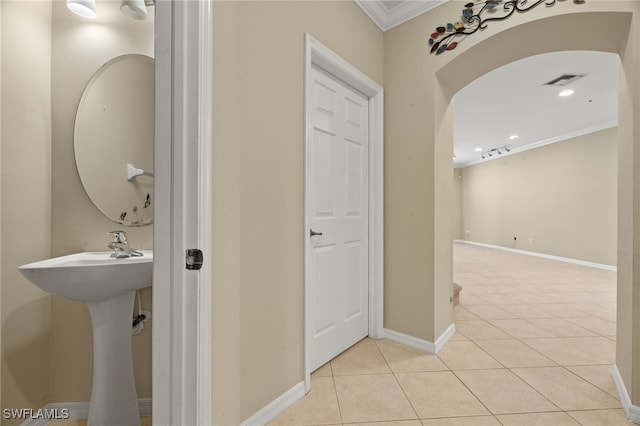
<point>337,217</point>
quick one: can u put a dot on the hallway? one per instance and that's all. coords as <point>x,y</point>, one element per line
<point>534,345</point>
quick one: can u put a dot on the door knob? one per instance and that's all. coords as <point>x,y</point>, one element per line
<point>312,233</point>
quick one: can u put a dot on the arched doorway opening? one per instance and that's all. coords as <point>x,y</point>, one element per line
<point>556,33</point>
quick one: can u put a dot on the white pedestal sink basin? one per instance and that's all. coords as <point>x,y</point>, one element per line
<point>108,287</point>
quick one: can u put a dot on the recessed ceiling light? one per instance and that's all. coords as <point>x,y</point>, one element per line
<point>565,93</point>
<point>513,137</point>
<point>478,149</point>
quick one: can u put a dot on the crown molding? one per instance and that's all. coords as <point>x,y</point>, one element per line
<point>559,138</point>
<point>386,18</point>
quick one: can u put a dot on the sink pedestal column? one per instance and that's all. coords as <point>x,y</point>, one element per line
<point>113,392</point>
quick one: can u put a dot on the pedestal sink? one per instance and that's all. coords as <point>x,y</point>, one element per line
<point>107,285</point>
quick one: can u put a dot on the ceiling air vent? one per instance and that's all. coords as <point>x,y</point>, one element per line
<point>565,79</point>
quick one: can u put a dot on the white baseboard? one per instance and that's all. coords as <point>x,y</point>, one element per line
<point>545,256</point>
<point>276,407</point>
<point>414,342</point>
<point>632,411</point>
<point>293,395</point>
<point>621,388</point>
<point>423,345</point>
<point>445,336</point>
<point>79,411</point>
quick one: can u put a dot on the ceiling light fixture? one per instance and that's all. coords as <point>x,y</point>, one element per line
<point>84,8</point>
<point>498,151</point>
<point>478,149</point>
<point>565,93</point>
<point>135,9</point>
<point>513,137</point>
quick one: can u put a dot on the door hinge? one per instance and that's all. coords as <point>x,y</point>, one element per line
<point>194,259</point>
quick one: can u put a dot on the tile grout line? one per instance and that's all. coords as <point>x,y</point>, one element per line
<point>557,317</point>
<point>617,397</point>
<point>558,365</point>
<point>335,390</point>
<point>393,373</point>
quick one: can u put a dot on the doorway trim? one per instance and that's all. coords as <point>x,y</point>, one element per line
<point>182,361</point>
<point>317,54</point>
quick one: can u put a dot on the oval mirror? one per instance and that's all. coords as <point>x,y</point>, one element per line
<point>113,139</point>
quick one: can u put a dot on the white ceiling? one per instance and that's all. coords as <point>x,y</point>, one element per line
<point>514,100</point>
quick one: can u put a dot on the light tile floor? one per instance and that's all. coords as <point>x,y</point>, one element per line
<point>534,345</point>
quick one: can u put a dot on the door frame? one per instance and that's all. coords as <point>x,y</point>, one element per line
<point>182,361</point>
<point>317,54</point>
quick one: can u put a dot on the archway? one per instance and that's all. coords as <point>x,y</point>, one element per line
<point>556,33</point>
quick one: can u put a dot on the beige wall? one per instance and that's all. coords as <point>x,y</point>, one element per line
<point>1,26</point>
<point>409,188</point>
<point>79,47</point>
<point>456,225</point>
<point>559,199</point>
<point>25,197</point>
<point>628,314</point>
<point>258,189</point>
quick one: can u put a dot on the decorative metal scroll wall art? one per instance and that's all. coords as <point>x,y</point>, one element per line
<point>442,39</point>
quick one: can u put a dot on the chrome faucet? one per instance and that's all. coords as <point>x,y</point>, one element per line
<point>120,246</point>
